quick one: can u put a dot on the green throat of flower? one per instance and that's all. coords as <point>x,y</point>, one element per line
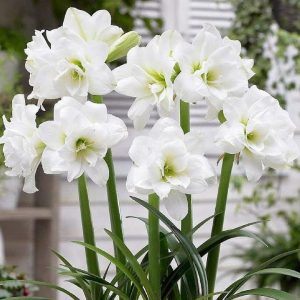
<point>210,77</point>
<point>158,77</point>
<point>168,171</point>
<point>76,75</point>
<point>83,146</point>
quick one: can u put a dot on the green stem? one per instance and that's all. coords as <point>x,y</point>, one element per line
<point>213,255</point>
<point>88,233</point>
<point>113,204</point>
<point>187,222</point>
<point>154,247</point>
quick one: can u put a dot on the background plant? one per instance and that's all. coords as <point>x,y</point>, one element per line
<point>14,285</point>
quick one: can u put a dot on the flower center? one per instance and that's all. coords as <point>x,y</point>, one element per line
<point>252,136</point>
<point>158,79</point>
<point>77,72</point>
<point>82,146</point>
<point>210,77</point>
<point>169,170</point>
<point>196,66</point>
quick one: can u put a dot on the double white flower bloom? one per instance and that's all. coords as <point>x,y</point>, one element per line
<point>212,69</point>
<point>74,63</point>
<point>71,64</point>
<point>258,128</point>
<point>147,76</point>
<point>169,163</point>
<point>23,147</point>
<point>78,138</point>
<point>169,69</point>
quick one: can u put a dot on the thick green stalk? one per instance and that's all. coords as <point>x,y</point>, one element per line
<point>154,247</point>
<point>213,255</point>
<point>187,222</point>
<point>113,204</point>
<point>88,233</point>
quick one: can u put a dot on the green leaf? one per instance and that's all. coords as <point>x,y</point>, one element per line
<point>117,264</point>
<point>266,292</point>
<point>240,282</point>
<point>81,283</point>
<point>134,263</point>
<point>281,271</point>
<point>204,249</point>
<point>190,250</point>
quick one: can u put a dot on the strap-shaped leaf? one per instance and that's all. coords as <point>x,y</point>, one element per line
<point>118,264</point>
<point>265,292</point>
<point>190,250</point>
<point>134,263</point>
<point>231,290</point>
<point>81,282</point>
<point>204,249</point>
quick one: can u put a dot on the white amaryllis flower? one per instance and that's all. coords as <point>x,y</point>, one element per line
<point>212,69</point>
<point>169,163</point>
<point>68,66</point>
<point>260,130</point>
<point>78,138</point>
<point>22,146</point>
<point>147,76</point>
<point>96,27</point>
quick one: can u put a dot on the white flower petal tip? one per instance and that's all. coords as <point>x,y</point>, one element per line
<point>176,205</point>
<point>168,163</point>
<point>260,130</point>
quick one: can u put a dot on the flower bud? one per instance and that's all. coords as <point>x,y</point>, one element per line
<point>122,45</point>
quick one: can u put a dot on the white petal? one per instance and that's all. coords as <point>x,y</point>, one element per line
<point>176,205</point>
<point>99,173</point>
<point>230,137</point>
<point>51,134</point>
<point>252,165</point>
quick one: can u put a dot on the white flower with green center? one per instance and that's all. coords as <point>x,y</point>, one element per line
<point>211,69</point>
<point>174,166</point>
<point>70,66</point>
<point>147,76</point>
<point>77,149</point>
<point>260,130</point>
<point>22,147</point>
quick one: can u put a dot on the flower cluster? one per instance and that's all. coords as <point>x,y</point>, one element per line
<point>169,69</point>
<point>70,63</point>
<point>175,166</point>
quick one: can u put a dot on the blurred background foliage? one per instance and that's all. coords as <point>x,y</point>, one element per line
<point>281,238</point>
<point>269,31</point>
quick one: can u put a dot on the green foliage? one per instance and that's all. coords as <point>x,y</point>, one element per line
<point>178,255</point>
<point>253,27</point>
<point>12,283</point>
<point>265,197</point>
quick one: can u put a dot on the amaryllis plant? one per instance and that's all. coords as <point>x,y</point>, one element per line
<point>169,167</point>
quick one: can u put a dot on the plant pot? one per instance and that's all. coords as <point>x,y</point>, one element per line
<point>286,14</point>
